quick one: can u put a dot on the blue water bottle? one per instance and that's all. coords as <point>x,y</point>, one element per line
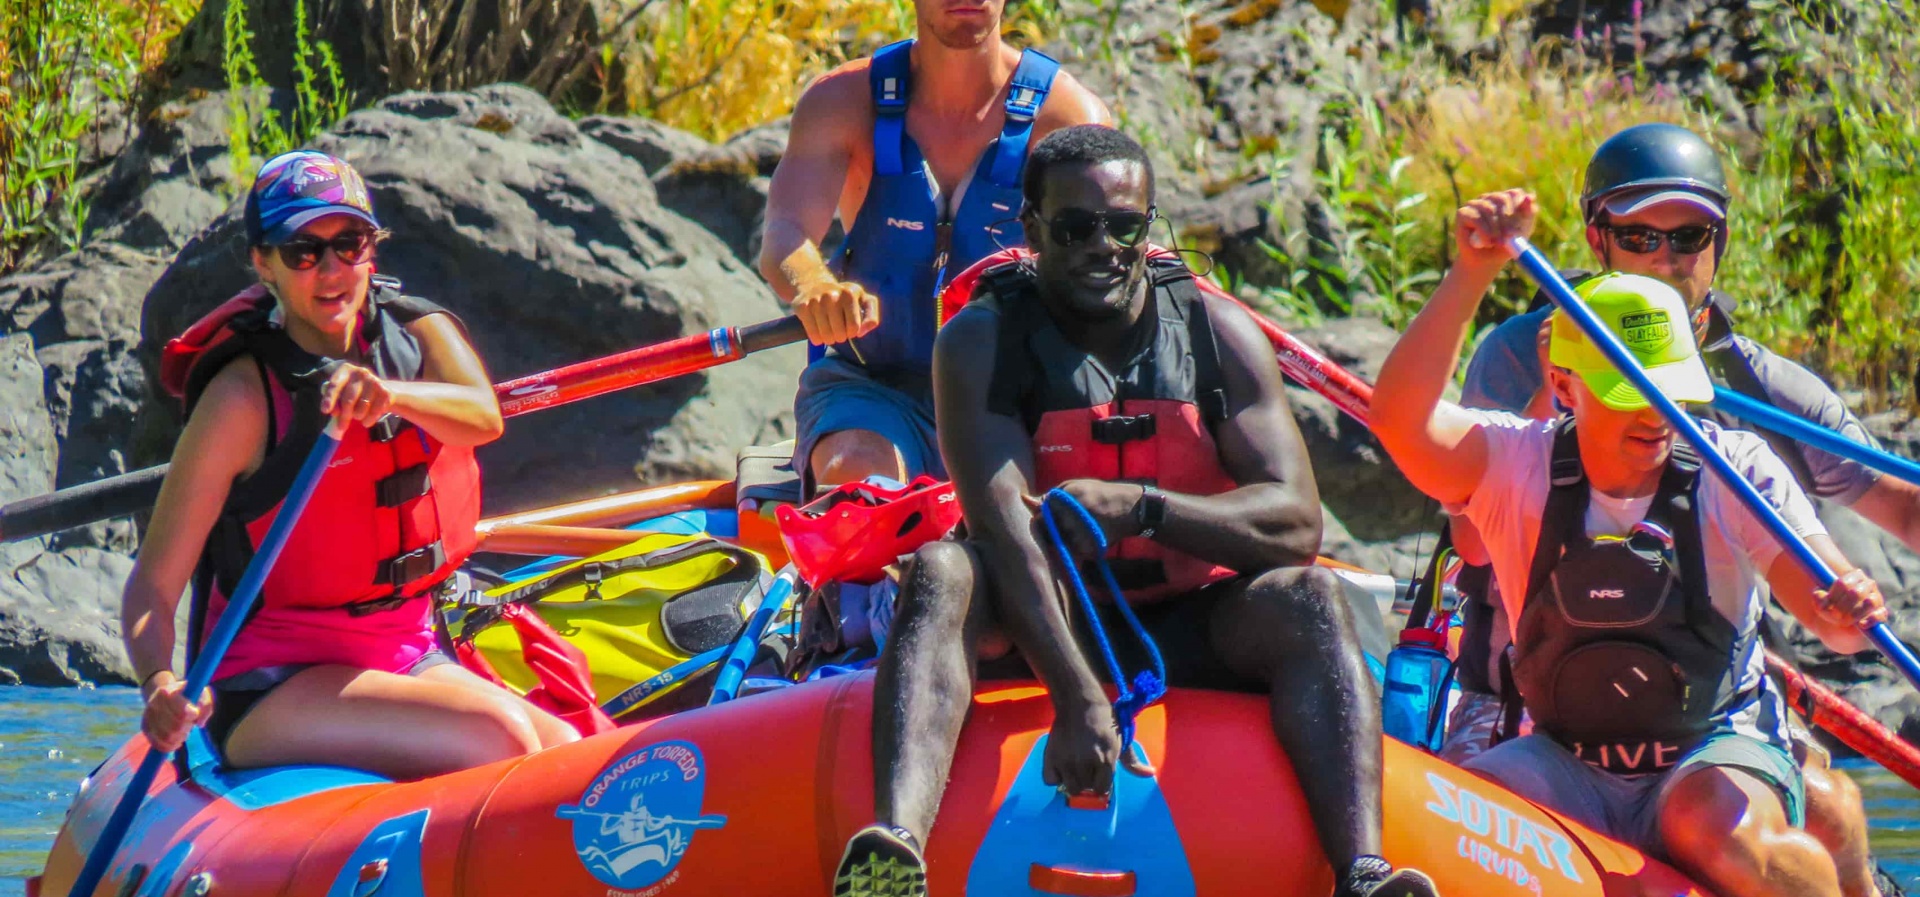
<point>1416,684</point>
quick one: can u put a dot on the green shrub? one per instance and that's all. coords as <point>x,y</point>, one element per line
<point>61,63</point>
<point>254,126</point>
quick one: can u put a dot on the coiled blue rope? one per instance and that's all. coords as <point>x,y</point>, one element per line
<point>1147,686</point>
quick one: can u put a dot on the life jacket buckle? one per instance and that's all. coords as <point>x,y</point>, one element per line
<point>403,486</point>
<point>1126,428</point>
<point>412,566</point>
<point>1023,104</point>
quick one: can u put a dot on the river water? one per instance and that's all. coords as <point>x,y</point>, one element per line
<point>52,737</point>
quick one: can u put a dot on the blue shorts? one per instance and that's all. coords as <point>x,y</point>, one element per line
<point>1626,808</point>
<point>836,395</point>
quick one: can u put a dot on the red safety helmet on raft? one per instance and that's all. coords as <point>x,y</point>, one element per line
<point>852,533</point>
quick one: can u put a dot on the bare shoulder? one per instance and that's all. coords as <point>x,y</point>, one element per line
<point>1070,103</point>
<point>228,427</point>
<point>839,102</point>
<point>1234,327</point>
<point>971,335</point>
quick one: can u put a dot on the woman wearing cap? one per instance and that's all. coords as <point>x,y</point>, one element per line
<point>338,663</point>
<point>1635,582</point>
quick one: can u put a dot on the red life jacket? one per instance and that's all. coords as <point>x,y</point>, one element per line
<point>1150,423</point>
<point>394,514</point>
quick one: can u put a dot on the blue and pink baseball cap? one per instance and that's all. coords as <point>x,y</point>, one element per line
<point>296,188</point>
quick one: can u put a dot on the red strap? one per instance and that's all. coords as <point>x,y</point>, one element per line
<point>566,685</point>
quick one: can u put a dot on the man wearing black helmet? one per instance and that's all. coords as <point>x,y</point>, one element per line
<point>1655,204</point>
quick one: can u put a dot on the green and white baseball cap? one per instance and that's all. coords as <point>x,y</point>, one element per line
<point>1651,320</point>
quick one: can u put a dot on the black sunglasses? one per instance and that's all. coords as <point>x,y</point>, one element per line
<point>1126,228</point>
<point>1641,240</point>
<point>302,252</point>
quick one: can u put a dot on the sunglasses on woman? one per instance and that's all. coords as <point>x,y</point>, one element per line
<point>1641,240</point>
<point>1126,228</point>
<point>303,251</point>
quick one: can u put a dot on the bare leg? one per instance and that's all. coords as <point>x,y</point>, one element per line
<point>1838,820</point>
<point>1290,629</point>
<point>402,727</point>
<point>924,685</point>
<point>1729,830</point>
<point>847,456</point>
<point>551,729</point>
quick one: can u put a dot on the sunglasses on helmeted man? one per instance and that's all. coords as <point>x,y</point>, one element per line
<point>302,251</point>
<point>1641,240</point>
<point>1127,228</point>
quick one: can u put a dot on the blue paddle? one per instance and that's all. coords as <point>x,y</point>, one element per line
<point>1568,301</point>
<point>212,653</point>
<point>1765,415</point>
<point>726,685</point>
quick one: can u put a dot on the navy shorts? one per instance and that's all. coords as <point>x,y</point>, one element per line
<point>836,394</point>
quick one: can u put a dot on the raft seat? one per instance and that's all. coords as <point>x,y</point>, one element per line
<point>255,789</point>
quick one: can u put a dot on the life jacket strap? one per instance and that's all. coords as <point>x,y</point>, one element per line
<point>888,78</point>
<point>403,486</point>
<point>1032,81</point>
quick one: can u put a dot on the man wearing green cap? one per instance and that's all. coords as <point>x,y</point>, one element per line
<point>1656,202</point>
<point>1633,580</point>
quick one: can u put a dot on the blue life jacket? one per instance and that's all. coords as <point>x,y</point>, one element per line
<point>901,246</point>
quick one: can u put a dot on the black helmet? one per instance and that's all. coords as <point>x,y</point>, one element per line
<point>1653,155</point>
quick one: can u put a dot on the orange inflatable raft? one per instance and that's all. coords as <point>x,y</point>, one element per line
<point>756,797</point>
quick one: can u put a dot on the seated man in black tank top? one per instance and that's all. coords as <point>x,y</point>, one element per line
<point>1162,412</point>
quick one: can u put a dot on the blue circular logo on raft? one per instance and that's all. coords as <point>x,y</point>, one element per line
<point>635,822</point>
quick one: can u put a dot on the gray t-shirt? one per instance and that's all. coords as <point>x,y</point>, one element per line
<point>1505,374</point>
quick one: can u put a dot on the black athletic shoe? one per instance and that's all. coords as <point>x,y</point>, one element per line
<point>1371,876</point>
<point>881,861</point>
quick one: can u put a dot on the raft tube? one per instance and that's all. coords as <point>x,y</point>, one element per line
<point>757,796</point>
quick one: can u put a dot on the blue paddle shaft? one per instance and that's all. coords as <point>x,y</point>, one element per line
<point>1765,415</point>
<point>1569,302</point>
<point>215,649</point>
<point>726,685</point>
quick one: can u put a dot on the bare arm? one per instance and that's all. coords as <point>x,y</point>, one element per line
<point>225,437</point>
<point>454,400</point>
<point>1434,442</point>
<point>1893,505</point>
<point>1797,592</point>
<point>1273,519</point>
<point>828,123</point>
<point>990,459</point>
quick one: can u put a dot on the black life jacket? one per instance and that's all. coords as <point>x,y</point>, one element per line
<point>394,514</point>
<point>1150,423</point>
<point>1619,653</point>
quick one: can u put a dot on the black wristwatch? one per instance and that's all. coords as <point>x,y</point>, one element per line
<point>1150,512</point>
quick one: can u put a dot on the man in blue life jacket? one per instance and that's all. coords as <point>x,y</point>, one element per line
<point>1656,203</point>
<point>919,151</point>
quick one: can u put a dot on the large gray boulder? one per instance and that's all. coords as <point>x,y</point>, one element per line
<point>553,248</point>
<point>59,609</point>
